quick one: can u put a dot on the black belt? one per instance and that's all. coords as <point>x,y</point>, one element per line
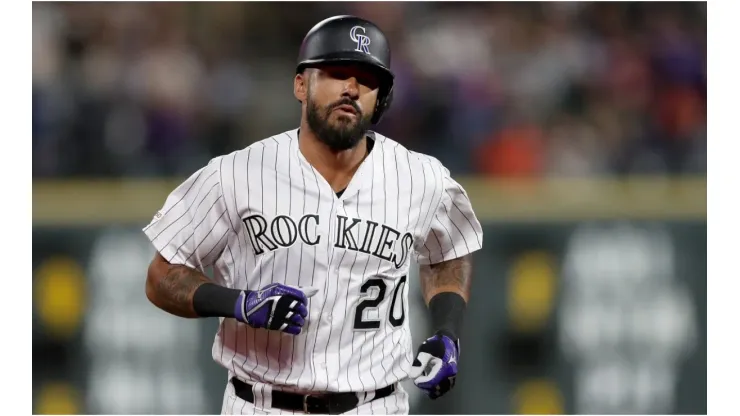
<point>326,403</point>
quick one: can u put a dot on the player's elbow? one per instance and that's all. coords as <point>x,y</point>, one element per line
<point>155,273</point>
<point>151,285</point>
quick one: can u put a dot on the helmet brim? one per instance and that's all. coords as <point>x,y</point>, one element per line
<point>349,58</point>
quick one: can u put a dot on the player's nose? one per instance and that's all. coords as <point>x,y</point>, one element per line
<point>351,88</point>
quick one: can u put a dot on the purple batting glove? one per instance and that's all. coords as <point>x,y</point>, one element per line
<point>275,307</point>
<point>435,367</point>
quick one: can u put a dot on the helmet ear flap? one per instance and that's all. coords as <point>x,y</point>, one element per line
<point>384,102</point>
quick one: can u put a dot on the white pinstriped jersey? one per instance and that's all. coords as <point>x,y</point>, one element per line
<point>264,215</point>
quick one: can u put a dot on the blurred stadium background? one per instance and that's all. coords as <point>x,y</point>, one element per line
<point>578,129</point>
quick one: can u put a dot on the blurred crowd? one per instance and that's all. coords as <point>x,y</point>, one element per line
<point>498,89</point>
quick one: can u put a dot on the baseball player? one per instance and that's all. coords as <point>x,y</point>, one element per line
<point>310,235</point>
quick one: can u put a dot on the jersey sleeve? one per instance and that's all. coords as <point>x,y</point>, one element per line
<point>193,225</point>
<point>455,230</point>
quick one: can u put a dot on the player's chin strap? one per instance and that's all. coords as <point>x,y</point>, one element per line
<point>448,311</point>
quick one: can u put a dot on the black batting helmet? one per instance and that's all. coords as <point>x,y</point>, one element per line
<point>351,39</point>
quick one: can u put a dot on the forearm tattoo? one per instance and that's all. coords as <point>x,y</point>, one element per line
<point>175,290</point>
<point>448,276</point>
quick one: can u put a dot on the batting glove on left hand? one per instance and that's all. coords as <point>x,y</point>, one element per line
<point>435,367</point>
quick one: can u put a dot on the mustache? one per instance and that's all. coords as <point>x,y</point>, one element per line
<point>346,101</point>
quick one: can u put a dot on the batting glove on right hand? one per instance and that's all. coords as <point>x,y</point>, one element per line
<point>434,369</point>
<point>275,307</point>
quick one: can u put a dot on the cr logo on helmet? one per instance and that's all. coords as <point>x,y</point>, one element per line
<point>363,41</point>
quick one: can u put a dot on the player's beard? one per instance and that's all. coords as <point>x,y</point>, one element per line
<point>345,133</point>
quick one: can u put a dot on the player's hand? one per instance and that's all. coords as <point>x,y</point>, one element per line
<point>276,307</point>
<point>435,367</point>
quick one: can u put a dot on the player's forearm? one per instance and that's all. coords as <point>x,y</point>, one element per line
<point>172,289</point>
<point>449,276</point>
<point>446,289</point>
<point>188,293</point>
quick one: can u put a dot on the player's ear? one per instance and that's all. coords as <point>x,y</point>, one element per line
<point>300,86</point>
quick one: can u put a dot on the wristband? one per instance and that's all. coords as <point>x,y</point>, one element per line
<point>211,300</point>
<point>447,310</point>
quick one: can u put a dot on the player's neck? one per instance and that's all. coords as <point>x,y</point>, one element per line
<point>337,167</point>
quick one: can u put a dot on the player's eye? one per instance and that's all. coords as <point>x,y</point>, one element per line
<point>365,78</point>
<point>369,80</point>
